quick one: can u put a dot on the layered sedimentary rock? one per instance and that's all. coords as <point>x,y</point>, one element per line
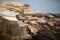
<point>19,22</point>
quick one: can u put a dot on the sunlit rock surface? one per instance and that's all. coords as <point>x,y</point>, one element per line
<point>28,24</point>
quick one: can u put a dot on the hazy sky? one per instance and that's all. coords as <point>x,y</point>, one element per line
<point>51,6</point>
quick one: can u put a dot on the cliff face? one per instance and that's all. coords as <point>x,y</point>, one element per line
<point>13,6</point>
<point>34,24</point>
<point>18,7</point>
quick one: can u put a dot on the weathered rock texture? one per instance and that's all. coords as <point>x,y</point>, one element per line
<point>32,26</point>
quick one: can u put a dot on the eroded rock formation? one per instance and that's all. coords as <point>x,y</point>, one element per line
<point>19,22</point>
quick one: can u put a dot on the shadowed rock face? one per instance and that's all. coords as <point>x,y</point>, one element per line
<point>30,27</point>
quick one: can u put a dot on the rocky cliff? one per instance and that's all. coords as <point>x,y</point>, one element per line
<point>35,25</point>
